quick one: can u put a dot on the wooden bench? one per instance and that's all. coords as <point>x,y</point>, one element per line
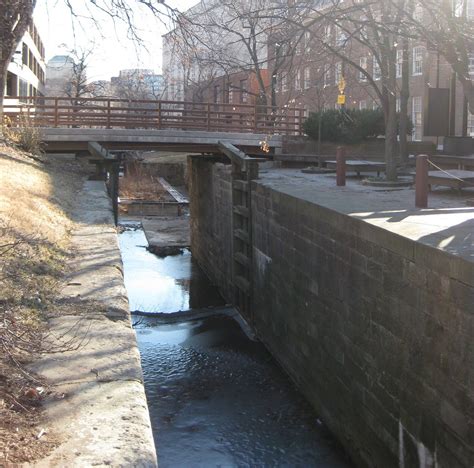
<point>359,165</point>
<point>455,178</point>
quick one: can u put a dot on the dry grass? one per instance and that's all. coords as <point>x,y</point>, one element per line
<point>138,184</point>
<point>36,199</point>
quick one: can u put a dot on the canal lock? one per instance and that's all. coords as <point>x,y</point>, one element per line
<point>216,396</point>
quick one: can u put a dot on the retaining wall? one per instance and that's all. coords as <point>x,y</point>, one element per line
<point>376,329</point>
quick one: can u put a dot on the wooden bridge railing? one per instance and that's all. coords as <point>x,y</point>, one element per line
<point>152,114</point>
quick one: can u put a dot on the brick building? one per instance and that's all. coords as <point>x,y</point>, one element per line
<point>311,78</point>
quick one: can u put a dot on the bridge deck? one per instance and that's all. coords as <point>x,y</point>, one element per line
<point>77,139</point>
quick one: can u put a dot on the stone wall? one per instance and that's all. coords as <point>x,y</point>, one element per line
<point>211,220</point>
<point>376,329</point>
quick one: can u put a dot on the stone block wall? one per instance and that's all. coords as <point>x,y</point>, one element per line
<point>375,329</point>
<point>210,194</point>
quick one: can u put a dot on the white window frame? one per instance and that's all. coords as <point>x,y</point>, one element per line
<point>416,117</point>
<point>341,36</point>
<point>363,104</point>
<point>470,124</point>
<point>362,64</point>
<point>307,78</point>
<point>399,63</point>
<point>417,60</point>
<point>337,72</point>
<point>376,70</point>
<point>327,77</point>
<point>298,80</point>
<point>471,64</point>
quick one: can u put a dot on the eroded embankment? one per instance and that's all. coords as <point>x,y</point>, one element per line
<point>82,401</point>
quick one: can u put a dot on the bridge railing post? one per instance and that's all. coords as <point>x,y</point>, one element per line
<point>208,116</point>
<point>56,112</point>
<point>108,113</point>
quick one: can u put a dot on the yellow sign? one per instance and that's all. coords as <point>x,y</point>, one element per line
<point>341,99</point>
<point>341,85</point>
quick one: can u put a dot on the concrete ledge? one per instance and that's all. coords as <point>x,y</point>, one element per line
<point>98,403</point>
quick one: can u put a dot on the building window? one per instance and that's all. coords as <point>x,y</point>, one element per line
<point>362,104</point>
<point>341,37</point>
<point>399,63</point>
<point>417,60</point>
<point>471,64</point>
<point>363,65</point>
<point>470,124</point>
<point>418,13</point>
<point>298,80</point>
<point>284,83</point>
<point>398,104</point>
<point>24,54</point>
<point>12,84</point>
<point>307,41</point>
<point>327,77</point>
<point>243,92</point>
<point>416,117</point>
<point>375,105</point>
<point>337,72</point>
<point>307,78</point>
<point>23,89</point>
<point>327,33</point>
<point>376,72</point>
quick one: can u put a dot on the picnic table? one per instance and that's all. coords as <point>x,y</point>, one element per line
<point>359,165</point>
<point>455,178</point>
<point>461,162</point>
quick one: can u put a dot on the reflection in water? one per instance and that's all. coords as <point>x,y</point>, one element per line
<point>165,284</point>
<point>216,398</point>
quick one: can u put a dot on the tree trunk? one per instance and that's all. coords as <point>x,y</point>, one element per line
<point>3,79</point>
<point>390,112</point>
<point>404,96</point>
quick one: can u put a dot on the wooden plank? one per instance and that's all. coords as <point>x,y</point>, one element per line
<point>172,191</point>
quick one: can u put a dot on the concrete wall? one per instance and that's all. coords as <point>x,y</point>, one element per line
<point>376,329</point>
<point>211,220</point>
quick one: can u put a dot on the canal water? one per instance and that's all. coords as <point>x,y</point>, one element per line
<point>216,397</point>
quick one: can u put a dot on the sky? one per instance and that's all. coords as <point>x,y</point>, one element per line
<point>112,50</point>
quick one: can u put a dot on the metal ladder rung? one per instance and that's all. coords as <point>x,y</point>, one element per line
<point>242,235</point>
<point>241,211</point>
<point>242,284</point>
<point>242,259</point>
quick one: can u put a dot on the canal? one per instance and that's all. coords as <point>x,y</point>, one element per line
<point>216,396</point>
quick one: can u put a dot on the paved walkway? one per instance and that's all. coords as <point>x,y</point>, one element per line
<point>448,223</point>
<point>98,404</point>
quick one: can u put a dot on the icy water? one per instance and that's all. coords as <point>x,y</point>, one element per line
<point>216,398</point>
<point>167,284</point>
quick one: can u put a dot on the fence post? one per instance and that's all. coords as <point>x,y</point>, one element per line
<point>159,115</point>
<point>340,166</point>
<point>108,113</point>
<point>208,116</point>
<point>421,181</point>
<point>56,112</point>
<point>255,112</point>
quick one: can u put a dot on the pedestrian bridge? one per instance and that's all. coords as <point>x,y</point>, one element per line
<point>69,124</point>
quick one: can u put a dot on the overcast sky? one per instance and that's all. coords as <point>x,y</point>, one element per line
<point>112,50</point>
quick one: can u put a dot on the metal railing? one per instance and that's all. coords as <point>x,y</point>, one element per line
<point>152,114</point>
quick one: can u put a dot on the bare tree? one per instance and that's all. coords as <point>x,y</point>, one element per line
<point>15,16</point>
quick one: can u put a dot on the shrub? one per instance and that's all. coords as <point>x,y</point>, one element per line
<point>23,134</point>
<point>347,125</point>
